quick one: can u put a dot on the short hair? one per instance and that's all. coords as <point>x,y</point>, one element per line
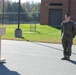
<point>68,15</point>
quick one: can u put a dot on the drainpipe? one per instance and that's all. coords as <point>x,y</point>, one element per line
<point>69,5</point>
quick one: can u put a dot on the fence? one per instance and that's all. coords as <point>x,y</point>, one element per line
<point>12,17</point>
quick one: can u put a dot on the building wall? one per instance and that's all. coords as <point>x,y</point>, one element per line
<point>45,6</point>
<point>44,12</point>
<point>73,10</point>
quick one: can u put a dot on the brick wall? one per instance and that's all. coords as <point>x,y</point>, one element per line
<point>73,10</point>
<point>44,16</point>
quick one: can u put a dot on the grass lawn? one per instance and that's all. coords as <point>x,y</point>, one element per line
<point>43,33</point>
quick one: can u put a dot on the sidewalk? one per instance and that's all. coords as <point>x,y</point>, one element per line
<point>34,58</point>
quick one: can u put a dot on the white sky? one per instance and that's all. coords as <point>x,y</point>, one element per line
<point>26,0</point>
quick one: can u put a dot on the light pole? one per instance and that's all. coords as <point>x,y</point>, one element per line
<point>14,16</point>
<point>3,13</point>
<point>19,15</point>
<point>18,31</point>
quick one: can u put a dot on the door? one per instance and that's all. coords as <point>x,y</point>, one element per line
<point>55,17</point>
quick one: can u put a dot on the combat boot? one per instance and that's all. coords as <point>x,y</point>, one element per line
<point>64,58</point>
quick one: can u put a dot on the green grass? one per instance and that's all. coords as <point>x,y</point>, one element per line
<point>44,33</point>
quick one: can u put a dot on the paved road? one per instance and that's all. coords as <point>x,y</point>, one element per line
<point>34,58</point>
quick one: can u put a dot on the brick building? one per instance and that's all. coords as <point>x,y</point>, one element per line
<point>53,11</point>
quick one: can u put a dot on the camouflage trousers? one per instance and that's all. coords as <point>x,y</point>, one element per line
<point>67,45</point>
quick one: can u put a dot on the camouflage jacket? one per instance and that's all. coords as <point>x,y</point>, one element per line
<point>68,29</point>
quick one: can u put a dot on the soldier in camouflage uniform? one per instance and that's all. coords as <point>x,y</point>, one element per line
<point>67,31</point>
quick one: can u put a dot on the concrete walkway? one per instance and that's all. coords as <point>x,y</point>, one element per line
<point>34,58</point>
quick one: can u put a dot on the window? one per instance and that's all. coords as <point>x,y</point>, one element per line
<point>55,4</point>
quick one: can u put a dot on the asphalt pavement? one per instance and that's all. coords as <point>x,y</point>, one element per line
<point>35,58</point>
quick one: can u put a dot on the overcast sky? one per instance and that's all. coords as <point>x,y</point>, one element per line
<point>26,0</point>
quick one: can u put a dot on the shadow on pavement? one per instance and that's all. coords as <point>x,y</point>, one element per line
<point>72,61</point>
<point>5,71</point>
<point>49,46</point>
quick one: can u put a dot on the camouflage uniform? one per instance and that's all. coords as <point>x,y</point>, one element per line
<point>67,36</point>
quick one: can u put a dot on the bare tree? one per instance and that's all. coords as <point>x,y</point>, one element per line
<point>27,6</point>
